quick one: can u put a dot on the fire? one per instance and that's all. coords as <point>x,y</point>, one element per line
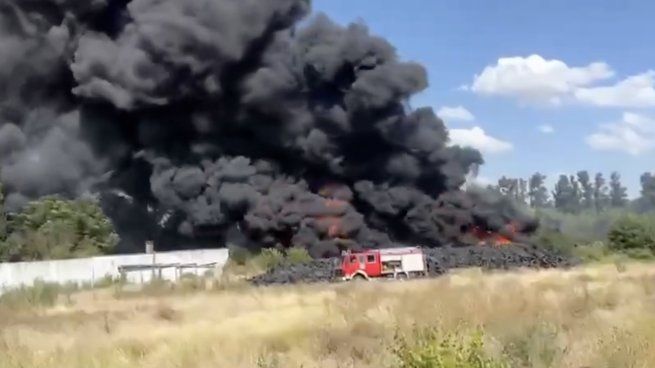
<point>494,238</point>
<point>501,240</point>
<point>332,219</point>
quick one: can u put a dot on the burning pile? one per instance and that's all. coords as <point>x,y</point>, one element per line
<point>225,121</point>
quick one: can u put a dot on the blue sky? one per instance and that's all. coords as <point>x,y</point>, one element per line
<point>583,71</point>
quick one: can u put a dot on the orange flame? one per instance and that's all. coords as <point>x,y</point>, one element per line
<point>493,238</point>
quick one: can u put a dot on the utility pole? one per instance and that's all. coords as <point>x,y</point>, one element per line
<point>150,249</point>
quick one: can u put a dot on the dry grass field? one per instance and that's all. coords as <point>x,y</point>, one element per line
<point>595,316</point>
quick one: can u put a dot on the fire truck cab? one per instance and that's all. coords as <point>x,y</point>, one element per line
<point>404,262</point>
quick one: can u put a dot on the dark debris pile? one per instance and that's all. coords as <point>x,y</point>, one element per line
<point>440,260</point>
<point>319,270</point>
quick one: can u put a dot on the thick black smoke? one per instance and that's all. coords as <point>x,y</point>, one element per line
<point>223,120</point>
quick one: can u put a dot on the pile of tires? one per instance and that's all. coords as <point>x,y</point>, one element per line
<point>439,261</point>
<point>506,257</point>
<point>319,270</point>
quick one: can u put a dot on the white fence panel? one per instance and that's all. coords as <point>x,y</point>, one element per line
<point>91,270</point>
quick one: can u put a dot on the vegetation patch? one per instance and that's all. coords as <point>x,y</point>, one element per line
<point>54,228</point>
<point>41,294</point>
<point>430,347</point>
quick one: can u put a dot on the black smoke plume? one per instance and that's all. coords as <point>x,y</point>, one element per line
<point>222,120</point>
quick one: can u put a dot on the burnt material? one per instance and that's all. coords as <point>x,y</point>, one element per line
<point>440,261</point>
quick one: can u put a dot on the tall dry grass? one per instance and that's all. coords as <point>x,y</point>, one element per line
<point>600,316</point>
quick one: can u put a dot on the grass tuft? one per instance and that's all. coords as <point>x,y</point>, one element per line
<point>40,294</point>
<point>430,347</point>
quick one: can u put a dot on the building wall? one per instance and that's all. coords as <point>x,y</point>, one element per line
<point>90,270</point>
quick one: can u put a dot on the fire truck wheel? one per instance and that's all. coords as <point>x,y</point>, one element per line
<point>359,277</point>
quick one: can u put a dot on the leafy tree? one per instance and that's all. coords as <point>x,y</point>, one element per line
<point>565,196</point>
<point>618,193</point>
<point>538,193</point>
<point>513,188</point>
<point>508,186</point>
<point>648,189</point>
<point>587,189</point>
<point>523,191</point>
<point>562,187</point>
<point>56,228</point>
<point>601,198</point>
<point>576,198</point>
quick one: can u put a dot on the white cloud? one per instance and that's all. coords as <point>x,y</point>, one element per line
<point>546,129</point>
<point>457,113</point>
<point>534,79</point>
<point>478,139</point>
<point>635,91</point>
<point>634,134</point>
<point>541,81</point>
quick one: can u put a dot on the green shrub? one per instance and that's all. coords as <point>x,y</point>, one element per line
<point>430,348</point>
<point>633,234</point>
<point>298,255</point>
<point>269,258</point>
<point>642,254</point>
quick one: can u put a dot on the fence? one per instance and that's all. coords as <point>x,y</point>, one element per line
<point>136,268</point>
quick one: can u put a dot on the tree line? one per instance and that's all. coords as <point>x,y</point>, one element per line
<point>579,192</point>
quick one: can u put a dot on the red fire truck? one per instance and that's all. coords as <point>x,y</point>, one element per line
<point>399,263</point>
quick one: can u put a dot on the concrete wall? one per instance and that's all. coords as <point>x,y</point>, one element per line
<point>89,270</point>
